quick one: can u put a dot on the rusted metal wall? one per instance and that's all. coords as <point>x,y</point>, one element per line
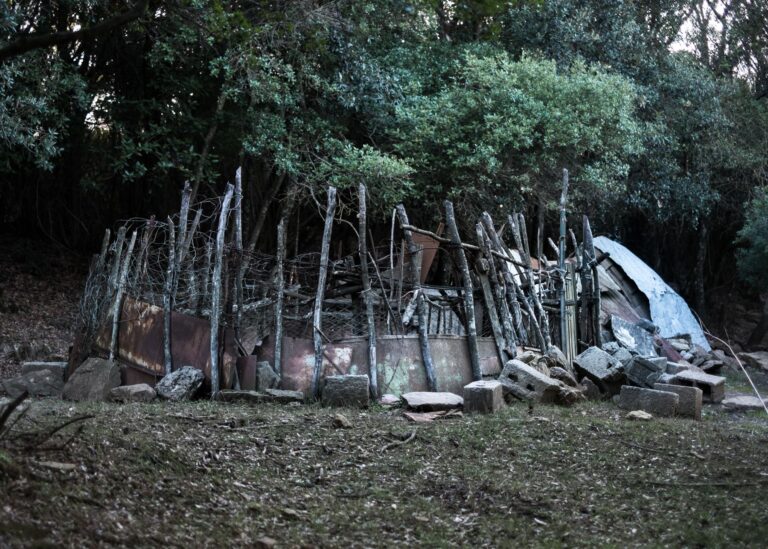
<point>140,343</point>
<point>398,358</point>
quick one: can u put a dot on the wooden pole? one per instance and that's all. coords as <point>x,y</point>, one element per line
<point>118,303</point>
<point>561,265</point>
<point>413,252</point>
<point>280,298</point>
<point>590,256</point>
<point>116,260</point>
<point>482,267</point>
<point>215,317</point>
<point>168,298</point>
<point>367,293</point>
<point>469,300</point>
<point>317,317</point>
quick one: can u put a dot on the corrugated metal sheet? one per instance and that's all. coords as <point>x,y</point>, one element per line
<point>669,311</point>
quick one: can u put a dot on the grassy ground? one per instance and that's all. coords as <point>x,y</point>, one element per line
<point>203,474</point>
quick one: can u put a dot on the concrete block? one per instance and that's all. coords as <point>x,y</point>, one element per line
<point>346,390</point>
<point>658,403</point>
<point>140,392</point>
<point>645,371</point>
<point>602,368</point>
<point>483,397</point>
<point>689,404</point>
<point>423,401</point>
<point>713,387</point>
<point>266,378</point>
<point>93,380</point>
<point>526,383</point>
<point>58,368</point>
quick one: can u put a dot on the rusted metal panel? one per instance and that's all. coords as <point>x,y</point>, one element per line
<point>398,358</point>
<point>140,341</point>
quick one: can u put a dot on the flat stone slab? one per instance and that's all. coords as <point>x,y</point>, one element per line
<point>690,399</point>
<point>260,397</point>
<point>658,403</point>
<point>37,383</point>
<point>284,397</point>
<point>347,390</point>
<point>141,392</point>
<point>92,381</point>
<point>423,401</point>
<point>633,337</point>
<point>742,403</point>
<point>758,359</point>
<point>713,387</point>
<point>58,368</point>
<point>483,397</point>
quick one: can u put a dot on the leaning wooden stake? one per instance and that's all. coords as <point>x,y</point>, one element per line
<point>367,294</point>
<point>483,268</point>
<point>168,292</point>
<point>237,253</point>
<point>469,300</point>
<point>421,307</point>
<point>589,254</point>
<point>317,317</point>
<point>116,260</point>
<point>561,266</point>
<point>280,298</point>
<point>215,317</point>
<point>118,303</point>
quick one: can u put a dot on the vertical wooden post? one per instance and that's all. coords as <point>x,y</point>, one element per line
<point>593,297</point>
<point>206,280</point>
<point>215,318</point>
<point>118,303</point>
<point>469,300</point>
<point>561,265</point>
<point>367,295</point>
<point>116,260</point>
<point>317,317</point>
<point>168,297</point>
<point>238,272</point>
<point>280,298</point>
<point>482,268</point>
<point>101,262</point>
<point>413,251</point>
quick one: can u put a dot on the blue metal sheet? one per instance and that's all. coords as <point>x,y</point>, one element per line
<point>669,311</point>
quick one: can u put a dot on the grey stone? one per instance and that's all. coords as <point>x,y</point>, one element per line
<point>180,385</point>
<point>483,397</point>
<point>564,376</point>
<point>246,397</point>
<point>389,400</point>
<point>726,359</point>
<point>611,347</point>
<point>141,392</point>
<point>285,397</point>
<point>645,371</point>
<point>591,391</point>
<point>422,401</point>
<point>602,368</point>
<point>665,378</point>
<point>58,368</point>
<point>527,383</point>
<point>266,378</point>
<point>639,415</point>
<point>529,357</point>
<point>742,403</point>
<point>681,343</point>
<point>93,380</point>
<point>556,357</point>
<point>632,336</point>
<point>758,359</point>
<point>40,383</point>
<point>713,387</point>
<point>675,368</point>
<point>347,390</point>
<point>689,404</point>
<point>658,403</point>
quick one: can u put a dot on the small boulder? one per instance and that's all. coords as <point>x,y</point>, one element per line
<point>141,392</point>
<point>758,359</point>
<point>284,397</point>
<point>639,415</point>
<point>37,383</point>
<point>423,401</point>
<point>590,390</point>
<point>346,390</point>
<point>602,368</point>
<point>180,385</point>
<point>93,380</point>
<point>389,400</point>
<point>266,378</point>
<point>562,375</point>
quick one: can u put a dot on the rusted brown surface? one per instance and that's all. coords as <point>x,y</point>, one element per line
<point>140,341</point>
<point>398,358</point>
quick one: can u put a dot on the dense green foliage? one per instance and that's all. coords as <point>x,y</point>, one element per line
<point>658,109</point>
<point>753,260</point>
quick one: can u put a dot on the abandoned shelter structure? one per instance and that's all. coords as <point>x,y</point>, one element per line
<point>167,294</point>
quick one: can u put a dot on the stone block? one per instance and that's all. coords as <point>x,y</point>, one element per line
<point>180,385</point>
<point>38,383</point>
<point>689,404</point>
<point>633,337</point>
<point>422,401</point>
<point>347,390</point>
<point>141,392</point>
<point>758,359</point>
<point>658,403</point>
<point>742,403</point>
<point>266,378</point>
<point>645,371</point>
<point>563,375</point>
<point>483,397</point>
<point>58,368</point>
<point>602,368</point>
<point>713,387</point>
<point>591,391</point>
<point>93,380</point>
<point>284,397</point>
<point>526,383</point>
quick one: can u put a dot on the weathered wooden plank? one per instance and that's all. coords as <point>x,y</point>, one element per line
<point>367,295</point>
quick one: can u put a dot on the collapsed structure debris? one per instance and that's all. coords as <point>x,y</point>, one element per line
<point>162,297</point>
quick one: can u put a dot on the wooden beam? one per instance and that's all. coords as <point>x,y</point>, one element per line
<point>367,295</point>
